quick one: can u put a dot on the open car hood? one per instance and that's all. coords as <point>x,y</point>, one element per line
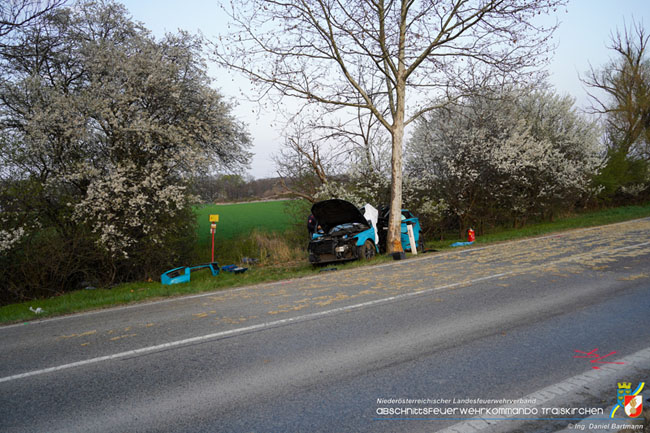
<point>331,213</point>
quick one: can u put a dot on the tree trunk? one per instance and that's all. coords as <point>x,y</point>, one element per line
<point>394,243</point>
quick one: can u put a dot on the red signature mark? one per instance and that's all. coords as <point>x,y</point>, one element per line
<point>596,358</point>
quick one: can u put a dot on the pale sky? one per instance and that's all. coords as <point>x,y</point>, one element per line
<point>582,38</point>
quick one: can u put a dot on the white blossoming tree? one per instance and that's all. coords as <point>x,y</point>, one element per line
<point>108,126</point>
<point>506,156</point>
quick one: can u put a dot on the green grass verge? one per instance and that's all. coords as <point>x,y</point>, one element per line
<point>84,300</point>
<point>241,218</point>
<point>202,281</point>
<point>588,219</point>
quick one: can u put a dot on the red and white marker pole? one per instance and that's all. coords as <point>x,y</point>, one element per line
<point>214,219</point>
<point>213,228</point>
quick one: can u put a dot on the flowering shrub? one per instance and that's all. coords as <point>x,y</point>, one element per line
<point>511,156</point>
<point>8,238</point>
<point>108,127</point>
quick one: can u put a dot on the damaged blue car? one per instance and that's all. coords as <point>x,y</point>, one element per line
<point>408,219</point>
<point>348,233</point>
<point>345,232</point>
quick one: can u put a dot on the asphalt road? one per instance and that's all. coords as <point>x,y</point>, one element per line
<point>316,354</point>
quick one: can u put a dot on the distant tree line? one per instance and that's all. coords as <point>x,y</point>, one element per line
<point>225,188</point>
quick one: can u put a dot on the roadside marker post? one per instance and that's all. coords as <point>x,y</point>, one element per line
<point>409,230</point>
<point>214,219</point>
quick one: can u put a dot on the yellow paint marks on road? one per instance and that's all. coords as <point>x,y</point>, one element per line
<point>281,292</point>
<point>231,320</point>
<point>366,292</point>
<point>634,277</point>
<point>286,308</point>
<point>85,344</point>
<point>330,299</point>
<point>123,336</point>
<point>83,334</point>
<point>303,301</point>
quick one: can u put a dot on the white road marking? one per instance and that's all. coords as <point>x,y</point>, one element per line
<point>280,322</point>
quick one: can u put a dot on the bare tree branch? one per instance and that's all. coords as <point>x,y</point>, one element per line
<point>334,52</point>
<point>625,83</point>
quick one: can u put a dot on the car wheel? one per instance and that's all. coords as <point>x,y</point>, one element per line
<point>367,250</point>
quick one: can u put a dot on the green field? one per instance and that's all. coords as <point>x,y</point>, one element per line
<point>240,219</point>
<point>258,230</point>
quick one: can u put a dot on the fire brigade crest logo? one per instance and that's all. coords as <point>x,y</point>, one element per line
<point>633,405</point>
<point>631,401</point>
